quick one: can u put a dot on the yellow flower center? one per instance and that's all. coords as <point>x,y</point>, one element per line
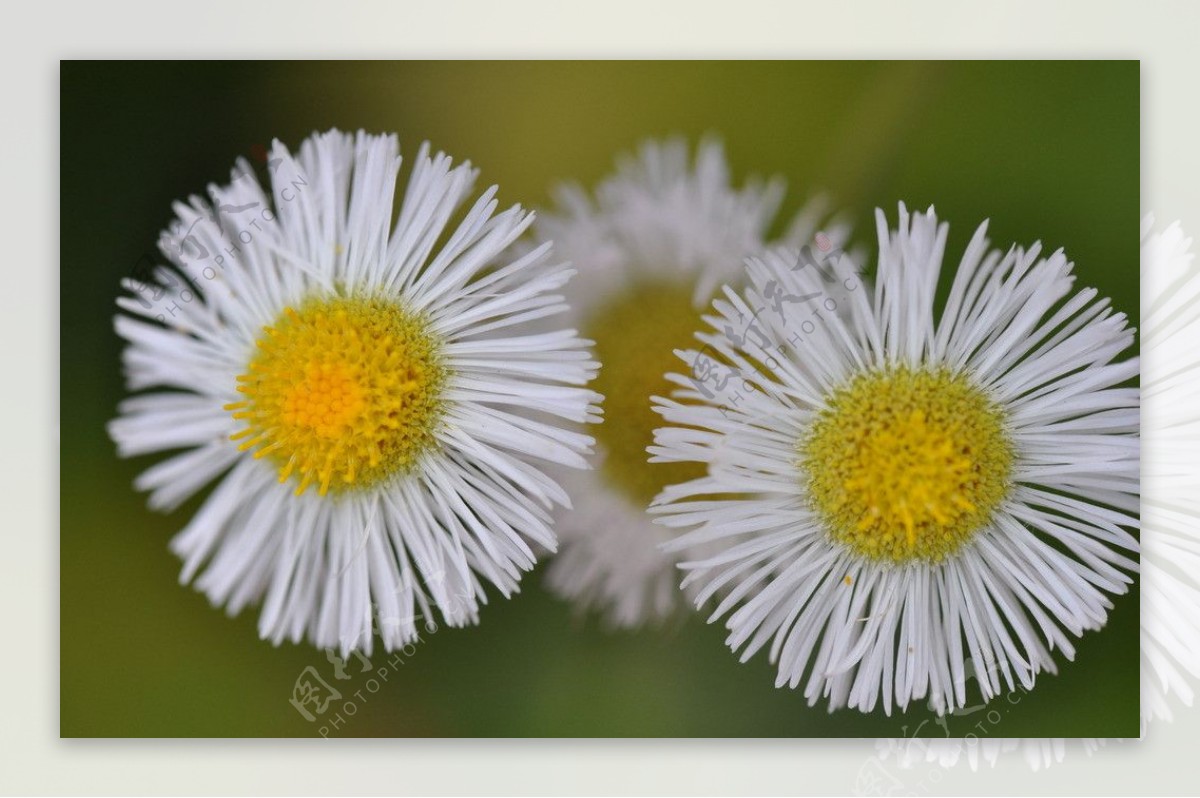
<point>636,333</point>
<point>342,392</point>
<point>907,464</point>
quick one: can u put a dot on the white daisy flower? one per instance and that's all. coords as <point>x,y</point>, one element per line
<point>651,246</point>
<point>359,392</point>
<point>907,490</point>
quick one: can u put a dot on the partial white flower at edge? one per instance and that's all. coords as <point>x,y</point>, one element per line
<point>1170,580</point>
<point>1171,444</point>
<point>362,394</point>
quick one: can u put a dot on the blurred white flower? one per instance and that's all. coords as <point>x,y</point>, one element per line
<point>651,245</point>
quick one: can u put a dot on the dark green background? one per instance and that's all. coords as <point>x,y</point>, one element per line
<point>1046,150</point>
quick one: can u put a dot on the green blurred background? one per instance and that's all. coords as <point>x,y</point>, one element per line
<point>1047,150</point>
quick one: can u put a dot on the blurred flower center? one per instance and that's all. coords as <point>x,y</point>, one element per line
<point>636,333</point>
<point>907,464</point>
<point>342,392</point>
